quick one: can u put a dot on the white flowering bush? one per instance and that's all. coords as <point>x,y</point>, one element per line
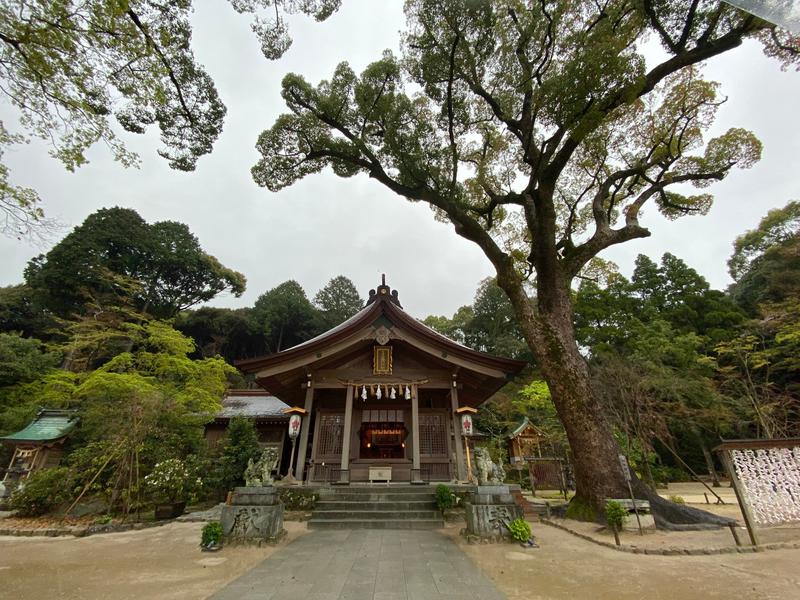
<point>172,480</point>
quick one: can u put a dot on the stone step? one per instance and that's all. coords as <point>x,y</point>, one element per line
<point>376,497</point>
<point>355,505</point>
<point>529,509</point>
<point>371,489</point>
<point>379,515</point>
<point>376,524</point>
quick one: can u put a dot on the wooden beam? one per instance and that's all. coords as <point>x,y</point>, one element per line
<point>460,467</point>
<point>309,404</point>
<point>749,521</point>
<point>415,472</point>
<point>303,360</point>
<point>344,476</point>
<point>451,358</point>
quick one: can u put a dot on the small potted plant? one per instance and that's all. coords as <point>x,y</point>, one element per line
<point>520,532</point>
<point>615,517</point>
<point>446,501</point>
<point>211,540</point>
<point>170,485</point>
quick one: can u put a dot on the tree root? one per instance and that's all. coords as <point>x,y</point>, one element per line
<point>668,515</point>
<point>679,517</point>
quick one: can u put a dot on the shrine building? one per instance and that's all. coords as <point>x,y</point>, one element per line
<point>380,397</point>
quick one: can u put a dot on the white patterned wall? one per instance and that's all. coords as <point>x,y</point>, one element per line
<point>770,479</point>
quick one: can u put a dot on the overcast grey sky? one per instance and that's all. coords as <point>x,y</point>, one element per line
<point>324,226</point>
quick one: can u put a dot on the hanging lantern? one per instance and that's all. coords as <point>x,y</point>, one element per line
<point>392,394</point>
<point>364,392</point>
<point>408,393</point>
<point>294,425</point>
<point>378,393</point>
<point>466,424</point>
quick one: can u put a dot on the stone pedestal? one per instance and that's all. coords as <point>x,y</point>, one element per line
<point>645,517</point>
<point>487,511</point>
<point>254,516</point>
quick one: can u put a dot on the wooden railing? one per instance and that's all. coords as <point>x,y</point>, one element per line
<point>435,471</point>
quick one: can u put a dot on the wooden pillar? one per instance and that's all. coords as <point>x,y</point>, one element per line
<point>460,467</point>
<point>415,467</point>
<point>344,475</point>
<point>749,521</point>
<point>306,425</point>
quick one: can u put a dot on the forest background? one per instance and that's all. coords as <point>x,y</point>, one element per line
<point>107,303</point>
<point>106,323</point>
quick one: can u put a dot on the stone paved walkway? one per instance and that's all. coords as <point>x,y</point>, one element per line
<point>364,565</point>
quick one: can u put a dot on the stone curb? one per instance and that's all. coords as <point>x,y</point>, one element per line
<point>675,551</point>
<point>83,531</point>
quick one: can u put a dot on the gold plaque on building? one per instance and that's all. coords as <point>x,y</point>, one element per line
<point>382,364</point>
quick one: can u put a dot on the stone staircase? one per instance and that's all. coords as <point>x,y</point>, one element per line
<point>377,507</point>
<point>531,511</point>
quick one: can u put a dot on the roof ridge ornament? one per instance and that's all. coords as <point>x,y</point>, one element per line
<point>385,293</point>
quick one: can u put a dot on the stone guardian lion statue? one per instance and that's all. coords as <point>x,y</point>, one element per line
<point>487,471</point>
<point>259,473</point>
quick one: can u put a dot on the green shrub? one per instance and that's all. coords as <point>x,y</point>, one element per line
<point>212,534</point>
<point>298,499</point>
<point>668,474</point>
<point>241,444</point>
<point>615,514</point>
<point>677,499</point>
<point>42,491</point>
<point>171,481</point>
<point>520,530</point>
<point>444,497</point>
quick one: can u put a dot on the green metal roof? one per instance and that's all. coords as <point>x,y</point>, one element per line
<point>48,425</point>
<point>521,427</point>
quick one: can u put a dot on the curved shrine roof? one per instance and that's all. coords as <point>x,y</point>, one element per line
<point>48,426</point>
<point>383,309</point>
<point>381,302</point>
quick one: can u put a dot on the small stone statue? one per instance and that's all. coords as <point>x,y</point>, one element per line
<point>259,473</point>
<point>488,471</point>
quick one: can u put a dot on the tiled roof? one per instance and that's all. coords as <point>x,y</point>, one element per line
<point>47,426</point>
<point>252,405</point>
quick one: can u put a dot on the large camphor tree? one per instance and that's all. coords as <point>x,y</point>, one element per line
<point>540,131</point>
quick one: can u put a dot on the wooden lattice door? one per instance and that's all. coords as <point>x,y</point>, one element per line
<point>331,436</point>
<point>433,447</point>
<point>328,446</point>
<point>432,436</point>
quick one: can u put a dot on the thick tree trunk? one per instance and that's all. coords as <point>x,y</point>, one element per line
<point>598,473</point>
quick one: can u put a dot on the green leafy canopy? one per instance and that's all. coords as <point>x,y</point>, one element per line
<point>68,67</point>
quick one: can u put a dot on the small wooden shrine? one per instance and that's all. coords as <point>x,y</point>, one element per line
<point>40,444</point>
<point>381,393</point>
<point>524,442</point>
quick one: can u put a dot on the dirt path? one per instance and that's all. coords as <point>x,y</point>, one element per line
<point>165,563</point>
<point>161,562</point>
<point>566,567</point>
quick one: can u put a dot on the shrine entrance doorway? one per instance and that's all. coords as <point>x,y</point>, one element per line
<point>383,434</point>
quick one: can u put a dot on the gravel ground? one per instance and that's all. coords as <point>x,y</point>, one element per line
<point>568,568</point>
<point>163,563</point>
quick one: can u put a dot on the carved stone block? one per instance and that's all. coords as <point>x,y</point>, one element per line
<point>488,511</point>
<point>255,516</point>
